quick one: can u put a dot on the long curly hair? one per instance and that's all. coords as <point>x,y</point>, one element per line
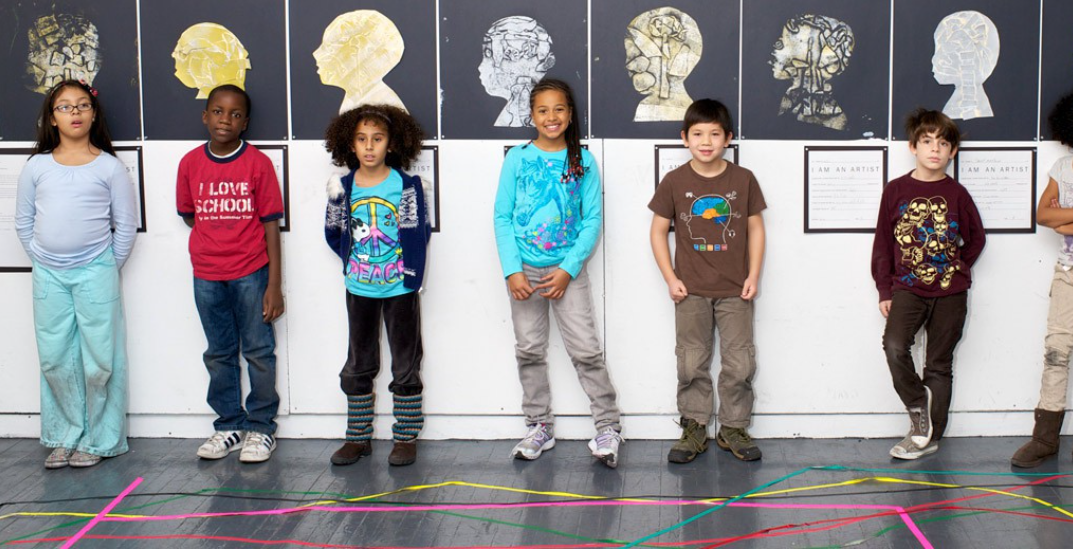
<point>404,135</point>
<point>1061,120</point>
<point>48,136</point>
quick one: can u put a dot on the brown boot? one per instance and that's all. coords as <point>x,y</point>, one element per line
<point>351,452</point>
<point>1044,443</point>
<point>403,453</point>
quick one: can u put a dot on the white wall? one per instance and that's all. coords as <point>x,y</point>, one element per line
<point>821,369</point>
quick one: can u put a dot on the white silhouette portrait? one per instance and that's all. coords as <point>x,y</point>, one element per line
<point>62,47</point>
<point>662,47</point>
<point>517,54</point>
<point>966,52</point>
<point>812,50</point>
<point>359,48</point>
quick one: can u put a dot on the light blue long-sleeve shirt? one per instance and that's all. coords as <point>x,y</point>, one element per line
<point>542,221</point>
<point>64,215</point>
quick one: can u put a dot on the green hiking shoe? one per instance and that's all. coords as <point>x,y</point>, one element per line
<point>694,441</point>
<point>738,442</point>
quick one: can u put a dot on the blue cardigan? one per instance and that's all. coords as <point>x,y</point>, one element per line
<point>414,228</point>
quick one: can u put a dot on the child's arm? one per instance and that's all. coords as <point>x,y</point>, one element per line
<point>756,256</point>
<point>273,300</point>
<point>25,208</point>
<point>510,258</point>
<point>592,218</point>
<point>124,216</point>
<point>883,254</point>
<point>1049,213</point>
<point>661,250</point>
<point>184,200</point>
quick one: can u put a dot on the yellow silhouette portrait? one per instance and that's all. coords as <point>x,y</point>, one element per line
<point>208,55</point>
<point>357,51</point>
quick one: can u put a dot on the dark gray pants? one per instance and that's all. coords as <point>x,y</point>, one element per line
<point>943,319</point>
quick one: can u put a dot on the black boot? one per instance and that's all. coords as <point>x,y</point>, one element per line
<point>1044,443</point>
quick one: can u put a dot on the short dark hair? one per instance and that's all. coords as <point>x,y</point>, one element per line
<point>704,111</point>
<point>922,121</point>
<point>1061,120</point>
<point>233,89</point>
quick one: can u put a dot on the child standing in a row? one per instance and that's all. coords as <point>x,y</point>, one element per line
<point>548,213</point>
<point>928,236</point>
<point>377,223</point>
<point>71,194</point>
<point>227,191</point>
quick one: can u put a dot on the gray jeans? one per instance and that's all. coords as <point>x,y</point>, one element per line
<point>696,319</point>
<point>577,323</point>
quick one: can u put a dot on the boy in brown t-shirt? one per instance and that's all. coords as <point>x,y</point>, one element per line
<point>719,250</point>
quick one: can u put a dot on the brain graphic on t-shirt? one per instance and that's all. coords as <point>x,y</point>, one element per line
<point>715,208</point>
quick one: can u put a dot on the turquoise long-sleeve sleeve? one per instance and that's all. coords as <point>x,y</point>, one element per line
<point>541,220</point>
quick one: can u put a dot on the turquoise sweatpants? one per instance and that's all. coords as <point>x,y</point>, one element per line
<point>81,343</point>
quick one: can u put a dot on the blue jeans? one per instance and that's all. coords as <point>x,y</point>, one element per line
<point>231,315</point>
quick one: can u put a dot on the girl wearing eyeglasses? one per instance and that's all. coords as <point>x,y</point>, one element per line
<point>75,216</point>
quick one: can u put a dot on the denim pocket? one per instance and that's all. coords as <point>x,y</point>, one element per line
<point>100,280</point>
<point>40,283</point>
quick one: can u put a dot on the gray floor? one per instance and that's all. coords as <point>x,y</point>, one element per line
<point>177,483</point>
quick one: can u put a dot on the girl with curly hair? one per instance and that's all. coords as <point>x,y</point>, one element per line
<point>377,222</point>
<point>1055,211</point>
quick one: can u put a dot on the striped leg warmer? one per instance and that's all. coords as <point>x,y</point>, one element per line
<point>408,418</point>
<point>359,417</point>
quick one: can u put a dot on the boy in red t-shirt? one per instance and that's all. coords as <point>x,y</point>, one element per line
<point>228,193</point>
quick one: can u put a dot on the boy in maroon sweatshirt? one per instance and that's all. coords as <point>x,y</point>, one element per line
<point>928,236</point>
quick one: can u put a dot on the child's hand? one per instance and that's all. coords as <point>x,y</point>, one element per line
<point>272,303</point>
<point>678,291</point>
<point>519,287</point>
<point>884,307</point>
<point>555,283</point>
<point>749,289</point>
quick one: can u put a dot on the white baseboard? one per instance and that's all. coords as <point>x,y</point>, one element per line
<point>492,427</point>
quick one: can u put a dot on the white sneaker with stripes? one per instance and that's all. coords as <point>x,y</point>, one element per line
<point>220,444</point>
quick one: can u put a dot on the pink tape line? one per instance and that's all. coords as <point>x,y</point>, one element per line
<point>482,506</point>
<point>100,516</point>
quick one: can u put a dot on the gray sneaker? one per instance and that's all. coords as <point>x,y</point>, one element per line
<point>906,449</point>
<point>539,438</point>
<point>605,446</point>
<point>920,428</point>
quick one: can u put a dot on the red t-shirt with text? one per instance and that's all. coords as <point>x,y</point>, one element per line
<point>229,198</point>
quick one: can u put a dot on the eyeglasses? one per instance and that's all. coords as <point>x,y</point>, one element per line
<point>65,109</point>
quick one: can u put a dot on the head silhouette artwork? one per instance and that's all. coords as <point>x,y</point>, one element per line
<point>708,221</point>
<point>966,52</point>
<point>208,55</point>
<point>359,48</point>
<point>61,47</point>
<point>811,51</point>
<point>662,47</point>
<point>517,54</point>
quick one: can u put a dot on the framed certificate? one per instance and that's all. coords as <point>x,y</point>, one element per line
<point>1002,182</point>
<point>843,187</point>
<point>13,258</point>
<point>278,155</point>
